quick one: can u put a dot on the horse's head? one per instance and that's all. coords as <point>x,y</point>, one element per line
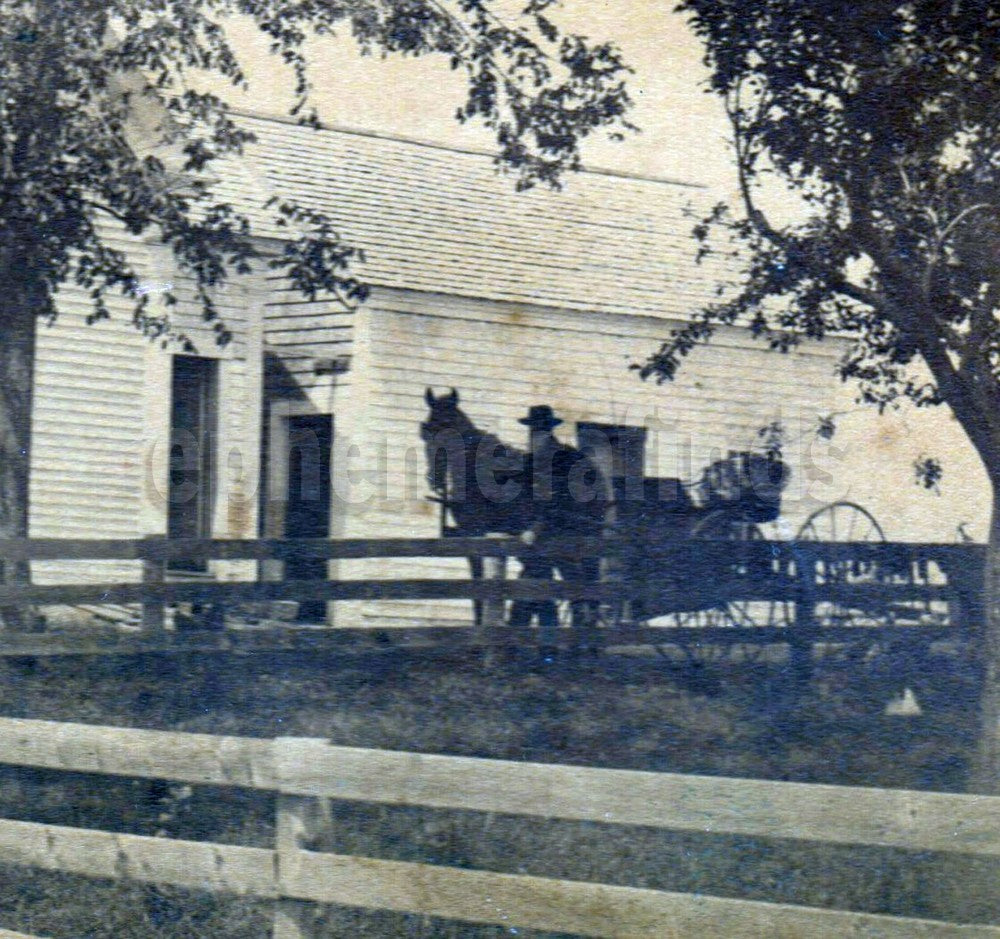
<point>441,428</point>
<point>469,470</point>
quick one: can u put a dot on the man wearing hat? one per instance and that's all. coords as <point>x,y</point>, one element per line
<point>567,501</point>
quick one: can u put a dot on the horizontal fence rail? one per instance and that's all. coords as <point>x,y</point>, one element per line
<point>302,770</point>
<point>458,589</point>
<point>310,767</point>
<point>260,549</point>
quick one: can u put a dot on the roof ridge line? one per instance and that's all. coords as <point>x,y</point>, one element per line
<point>468,151</point>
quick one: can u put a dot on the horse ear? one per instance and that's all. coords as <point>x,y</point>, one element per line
<point>429,396</point>
<point>454,396</point>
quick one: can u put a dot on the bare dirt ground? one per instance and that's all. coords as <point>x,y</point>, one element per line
<point>615,712</point>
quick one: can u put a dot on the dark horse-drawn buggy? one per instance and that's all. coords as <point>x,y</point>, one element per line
<point>660,527</point>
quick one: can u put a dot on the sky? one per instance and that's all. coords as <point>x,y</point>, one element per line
<point>683,130</point>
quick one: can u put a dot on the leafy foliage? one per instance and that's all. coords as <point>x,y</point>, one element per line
<point>771,439</point>
<point>827,427</point>
<point>76,72</point>
<point>883,118</point>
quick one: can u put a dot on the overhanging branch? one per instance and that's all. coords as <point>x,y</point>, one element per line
<point>744,169</point>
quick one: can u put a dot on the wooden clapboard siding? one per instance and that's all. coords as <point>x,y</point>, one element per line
<point>188,319</point>
<point>503,358</point>
<point>231,299</point>
<point>87,422</point>
<point>101,414</point>
<point>298,333</point>
<point>500,364</point>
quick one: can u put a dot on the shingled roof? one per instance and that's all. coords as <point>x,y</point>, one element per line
<point>442,220</point>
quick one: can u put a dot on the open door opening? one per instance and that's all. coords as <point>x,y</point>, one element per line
<point>307,507</point>
<point>192,454</point>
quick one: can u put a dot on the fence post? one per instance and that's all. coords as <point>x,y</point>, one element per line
<point>293,919</point>
<point>154,571</point>
<point>494,608</point>
<point>804,628</point>
<point>299,820</point>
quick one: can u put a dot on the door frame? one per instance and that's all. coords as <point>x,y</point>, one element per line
<point>275,505</point>
<point>207,454</point>
<point>276,488</point>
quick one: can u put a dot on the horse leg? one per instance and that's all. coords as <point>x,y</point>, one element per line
<point>523,611</point>
<point>584,613</point>
<point>476,567</point>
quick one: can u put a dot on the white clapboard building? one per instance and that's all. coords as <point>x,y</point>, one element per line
<point>542,297</point>
<point>514,299</point>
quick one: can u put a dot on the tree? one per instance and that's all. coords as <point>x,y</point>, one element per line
<point>75,73</point>
<point>883,118</point>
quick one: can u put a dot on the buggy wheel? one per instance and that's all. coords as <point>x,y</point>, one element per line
<point>848,522</point>
<point>842,522</point>
<point>839,523</point>
<point>721,526</point>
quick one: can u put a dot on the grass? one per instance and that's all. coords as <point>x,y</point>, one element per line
<point>630,713</point>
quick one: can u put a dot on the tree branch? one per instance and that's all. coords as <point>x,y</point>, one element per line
<point>977,345</point>
<point>950,227</point>
<point>100,207</point>
<point>917,324</point>
<point>744,169</point>
<point>855,292</point>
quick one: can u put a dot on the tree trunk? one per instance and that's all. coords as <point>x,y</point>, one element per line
<point>985,771</point>
<point>20,303</point>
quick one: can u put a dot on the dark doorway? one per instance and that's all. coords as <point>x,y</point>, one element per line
<point>619,451</point>
<point>192,457</point>
<point>307,511</point>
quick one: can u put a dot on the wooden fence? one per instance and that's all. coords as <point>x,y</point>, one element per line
<point>803,576</point>
<point>305,772</point>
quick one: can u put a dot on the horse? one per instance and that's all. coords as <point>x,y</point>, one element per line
<point>484,483</point>
<point>476,475</point>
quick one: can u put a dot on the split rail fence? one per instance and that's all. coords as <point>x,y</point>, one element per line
<point>306,772</point>
<point>802,576</point>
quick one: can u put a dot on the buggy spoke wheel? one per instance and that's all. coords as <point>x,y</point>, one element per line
<point>847,522</point>
<point>726,613</point>
<point>842,522</point>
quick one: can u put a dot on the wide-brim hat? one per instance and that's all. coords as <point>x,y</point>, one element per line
<point>541,416</point>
